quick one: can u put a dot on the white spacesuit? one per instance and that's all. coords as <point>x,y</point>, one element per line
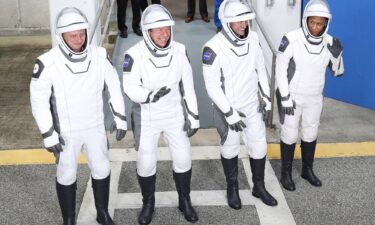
<point>234,74</point>
<point>300,73</point>
<point>66,94</point>
<point>159,81</point>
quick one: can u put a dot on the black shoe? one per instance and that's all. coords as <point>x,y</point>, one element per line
<point>182,181</point>
<point>188,19</point>
<point>138,32</point>
<point>206,19</point>
<point>101,197</point>
<point>308,152</point>
<point>147,185</point>
<point>230,167</point>
<point>257,168</point>
<point>287,155</point>
<point>67,200</point>
<point>145,216</point>
<point>123,34</point>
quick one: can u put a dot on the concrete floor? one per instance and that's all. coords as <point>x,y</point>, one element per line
<point>27,192</point>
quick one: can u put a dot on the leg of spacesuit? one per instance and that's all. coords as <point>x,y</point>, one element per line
<point>230,167</point>
<point>259,190</point>
<point>67,200</point>
<point>287,155</point>
<point>182,181</point>
<point>147,185</point>
<point>101,196</point>
<point>308,152</point>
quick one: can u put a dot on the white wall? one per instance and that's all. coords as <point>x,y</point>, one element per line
<point>88,7</point>
<point>23,16</point>
<point>277,20</point>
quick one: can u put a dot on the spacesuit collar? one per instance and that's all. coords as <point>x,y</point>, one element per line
<point>235,43</point>
<point>70,58</point>
<point>154,53</point>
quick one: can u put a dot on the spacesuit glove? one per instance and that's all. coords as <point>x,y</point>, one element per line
<point>234,120</point>
<point>265,108</point>
<point>188,128</point>
<point>336,47</point>
<point>154,96</point>
<point>120,133</point>
<point>288,106</point>
<point>56,149</point>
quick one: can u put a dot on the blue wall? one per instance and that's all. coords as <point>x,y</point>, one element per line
<point>354,23</point>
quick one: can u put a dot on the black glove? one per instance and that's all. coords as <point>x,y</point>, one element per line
<point>265,109</point>
<point>336,47</point>
<point>120,134</point>
<point>154,96</point>
<point>288,106</point>
<point>187,127</point>
<point>239,125</point>
<point>56,149</point>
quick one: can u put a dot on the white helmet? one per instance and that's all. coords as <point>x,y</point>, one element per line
<point>71,19</point>
<point>315,8</point>
<point>155,16</point>
<point>235,11</point>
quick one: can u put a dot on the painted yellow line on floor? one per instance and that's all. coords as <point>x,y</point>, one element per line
<point>324,150</point>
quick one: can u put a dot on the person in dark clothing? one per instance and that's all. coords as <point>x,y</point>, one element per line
<point>121,17</point>
<point>202,10</point>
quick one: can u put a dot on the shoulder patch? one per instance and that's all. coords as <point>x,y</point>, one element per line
<point>208,56</point>
<point>128,63</point>
<point>283,44</point>
<point>38,68</point>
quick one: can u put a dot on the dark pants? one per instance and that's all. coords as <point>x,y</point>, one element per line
<point>144,3</point>
<point>202,8</point>
<point>121,14</point>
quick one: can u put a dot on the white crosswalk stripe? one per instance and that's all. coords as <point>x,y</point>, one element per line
<point>279,215</point>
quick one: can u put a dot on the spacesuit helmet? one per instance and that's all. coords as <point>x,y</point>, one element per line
<point>235,11</point>
<point>71,19</point>
<point>319,8</point>
<point>156,16</point>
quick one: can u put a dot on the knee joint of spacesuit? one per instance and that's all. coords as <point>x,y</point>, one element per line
<point>230,152</point>
<point>309,134</point>
<point>257,150</point>
<point>67,177</point>
<point>100,171</point>
<point>289,135</point>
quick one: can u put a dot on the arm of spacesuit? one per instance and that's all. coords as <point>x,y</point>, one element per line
<point>213,78</point>
<point>264,87</point>
<point>336,63</point>
<point>116,101</point>
<point>189,98</point>
<point>132,81</point>
<point>282,62</point>
<point>40,94</point>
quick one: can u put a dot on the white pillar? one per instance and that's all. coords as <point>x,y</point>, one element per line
<point>88,7</point>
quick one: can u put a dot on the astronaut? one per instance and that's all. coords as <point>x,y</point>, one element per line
<point>66,93</point>
<point>158,78</point>
<point>237,83</point>
<point>301,64</point>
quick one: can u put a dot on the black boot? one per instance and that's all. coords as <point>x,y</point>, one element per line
<point>230,167</point>
<point>67,200</point>
<point>182,181</point>
<point>101,196</point>
<point>287,155</point>
<point>308,152</point>
<point>259,190</point>
<point>147,185</point>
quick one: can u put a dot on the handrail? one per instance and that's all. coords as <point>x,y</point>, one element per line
<point>273,66</point>
<point>107,22</point>
<point>97,18</point>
